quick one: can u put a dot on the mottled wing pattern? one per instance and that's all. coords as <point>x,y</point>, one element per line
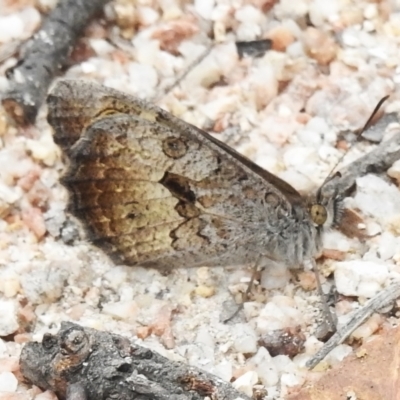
<point>154,190</point>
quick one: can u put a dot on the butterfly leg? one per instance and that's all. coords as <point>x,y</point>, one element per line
<point>246,293</point>
<point>329,318</point>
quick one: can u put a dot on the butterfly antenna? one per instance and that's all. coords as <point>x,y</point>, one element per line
<point>332,175</point>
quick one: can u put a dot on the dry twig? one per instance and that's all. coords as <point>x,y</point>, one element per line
<point>382,299</point>
<point>87,364</point>
<point>375,162</point>
<point>44,55</point>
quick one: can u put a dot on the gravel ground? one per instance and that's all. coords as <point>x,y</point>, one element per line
<point>288,110</point>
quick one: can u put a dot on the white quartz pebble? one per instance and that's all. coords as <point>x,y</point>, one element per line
<point>360,278</point>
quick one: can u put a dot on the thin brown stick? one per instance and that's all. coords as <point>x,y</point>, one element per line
<point>382,299</point>
<point>184,73</point>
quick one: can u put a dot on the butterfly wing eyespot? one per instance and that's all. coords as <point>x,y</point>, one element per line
<point>319,214</point>
<point>272,199</point>
<point>174,147</point>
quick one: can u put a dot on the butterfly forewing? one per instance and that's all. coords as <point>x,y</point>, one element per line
<point>153,190</point>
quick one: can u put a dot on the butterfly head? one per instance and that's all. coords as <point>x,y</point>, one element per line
<point>326,208</point>
<point>319,214</point>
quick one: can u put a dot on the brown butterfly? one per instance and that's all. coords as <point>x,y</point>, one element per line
<point>154,190</point>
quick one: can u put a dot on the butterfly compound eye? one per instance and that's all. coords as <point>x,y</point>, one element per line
<point>318,214</point>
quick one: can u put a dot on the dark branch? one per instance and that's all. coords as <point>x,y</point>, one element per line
<point>44,55</point>
<point>86,364</point>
